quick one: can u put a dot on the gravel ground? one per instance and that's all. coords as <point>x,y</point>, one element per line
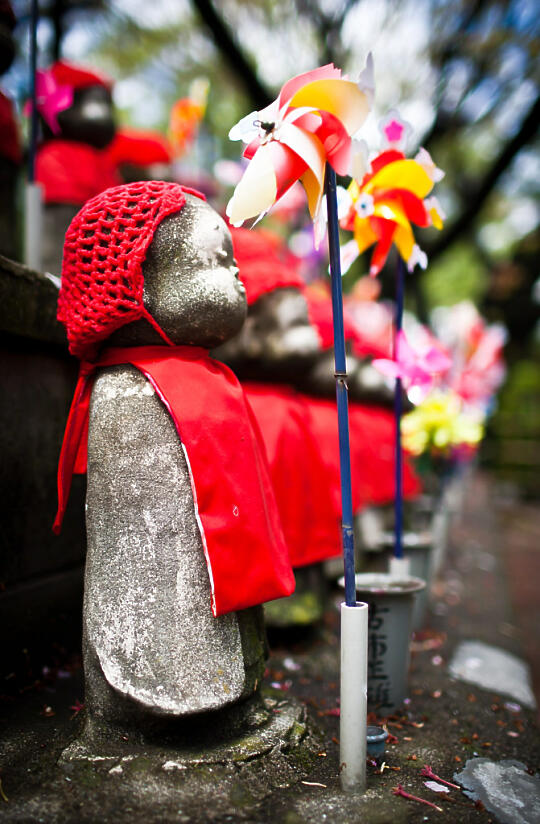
<point>484,595</point>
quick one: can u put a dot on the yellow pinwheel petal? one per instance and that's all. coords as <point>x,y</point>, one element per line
<point>314,191</point>
<point>342,98</point>
<point>364,234</point>
<point>256,191</point>
<point>435,218</point>
<point>402,174</point>
<point>354,190</point>
<point>404,240</point>
<point>390,210</point>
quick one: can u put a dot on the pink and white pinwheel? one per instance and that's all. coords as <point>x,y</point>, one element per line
<point>484,370</point>
<point>418,369</point>
<point>391,196</point>
<point>312,121</point>
<point>51,98</point>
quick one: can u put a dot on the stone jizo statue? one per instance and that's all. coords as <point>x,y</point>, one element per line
<point>184,539</point>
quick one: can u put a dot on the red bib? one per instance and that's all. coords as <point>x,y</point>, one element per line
<point>371,434</point>
<point>245,550</point>
<point>310,518</point>
<point>74,172</point>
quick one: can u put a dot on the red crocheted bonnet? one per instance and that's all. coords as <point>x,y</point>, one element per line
<point>105,246</point>
<point>261,268</point>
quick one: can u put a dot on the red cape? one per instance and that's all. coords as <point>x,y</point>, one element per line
<point>373,428</point>
<point>371,434</point>
<point>74,172</point>
<point>245,550</point>
<point>310,519</point>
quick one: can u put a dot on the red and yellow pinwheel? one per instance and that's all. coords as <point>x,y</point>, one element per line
<point>391,197</point>
<point>312,121</point>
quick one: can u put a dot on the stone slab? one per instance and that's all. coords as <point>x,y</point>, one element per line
<point>504,788</point>
<point>493,669</point>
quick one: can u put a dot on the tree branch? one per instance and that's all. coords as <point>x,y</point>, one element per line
<point>477,198</point>
<point>233,54</point>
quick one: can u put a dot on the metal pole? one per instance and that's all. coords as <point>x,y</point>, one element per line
<point>33,110</point>
<point>341,388</point>
<point>398,541</point>
<point>33,193</point>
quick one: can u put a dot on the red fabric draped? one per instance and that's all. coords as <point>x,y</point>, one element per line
<point>373,427</point>
<point>139,147</point>
<point>74,172</point>
<point>371,432</point>
<point>310,519</point>
<point>241,532</point>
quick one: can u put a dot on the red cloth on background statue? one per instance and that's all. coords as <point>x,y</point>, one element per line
<point>10,144</point>
<point>261,268</point>
<point>307,507</point>
<point>374,428</point>
<point>66,73</point>
<point>138,148</point>
<point>73,172</point>
<point>243,542</point>
<point>371,431</point>
<point>320,316</point>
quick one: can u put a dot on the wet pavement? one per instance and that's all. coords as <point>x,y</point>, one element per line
<point>482,736</point>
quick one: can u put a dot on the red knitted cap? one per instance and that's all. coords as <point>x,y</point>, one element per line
<point>78,77</point>
<point>105,246</point>
<point>261,270</point>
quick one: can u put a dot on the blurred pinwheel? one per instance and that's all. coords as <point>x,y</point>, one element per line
<point>440,425</point>
<point>418,369</point>
<point>51,98</point>
<point>382,207</point>
<point>312,121</point>
<point>186,115</point>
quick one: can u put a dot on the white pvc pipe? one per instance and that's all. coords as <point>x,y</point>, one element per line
<point>399,568</point>
<point>353,707</point>
<point>33,225</point>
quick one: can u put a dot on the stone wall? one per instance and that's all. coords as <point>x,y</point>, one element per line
<point>40,573</point>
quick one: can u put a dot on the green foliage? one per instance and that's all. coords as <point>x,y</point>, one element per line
<point>459,274</point>
<point>519,402</point>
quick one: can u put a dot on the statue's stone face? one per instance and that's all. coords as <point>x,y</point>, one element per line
<point>90,118</point>
<point>191,284</point>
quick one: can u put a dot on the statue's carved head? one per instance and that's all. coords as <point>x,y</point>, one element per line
<point>148,263</point>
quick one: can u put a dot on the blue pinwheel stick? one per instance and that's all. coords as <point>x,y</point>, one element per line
<point>398,503</point>
<point>33,112</point>
<point>341,388</point>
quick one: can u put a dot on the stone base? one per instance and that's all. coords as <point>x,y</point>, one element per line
<point>185,781</point>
